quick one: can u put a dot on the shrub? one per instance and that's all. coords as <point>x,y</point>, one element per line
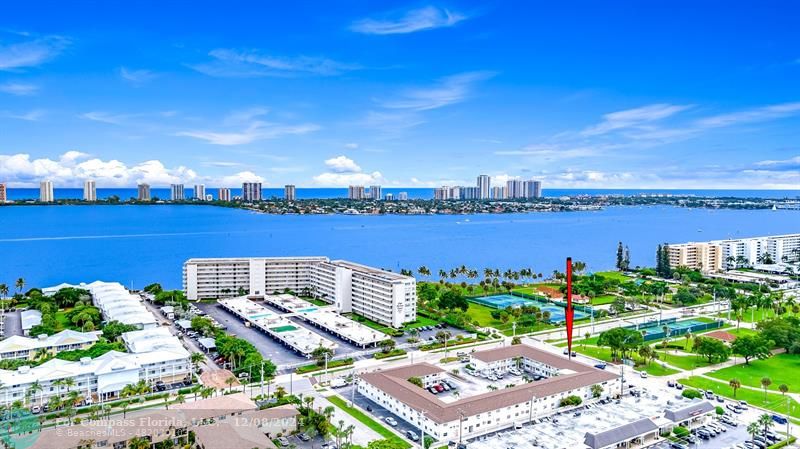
<point>570,400</point>
<point>416,381</point>
<point>692,394</point>
<point>680,432</point>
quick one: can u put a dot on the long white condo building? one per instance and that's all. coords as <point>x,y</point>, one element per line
<point>382,296</point>
<point>718,255</point>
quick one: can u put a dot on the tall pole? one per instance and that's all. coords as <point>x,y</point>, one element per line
<point>568,312</point>
<point>262,377</point>
<point>421,429</point>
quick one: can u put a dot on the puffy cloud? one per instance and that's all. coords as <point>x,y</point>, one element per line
<point>342,164</point>
<point>344,171</point>
<point>72,167</point>
<point>237,179</point>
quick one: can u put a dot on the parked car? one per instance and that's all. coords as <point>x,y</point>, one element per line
<point>779,419</point>
<point>283,441</point>
<point>433,390</point>
<point>304,436</point>
<point>438,388</point>
<point>412,435</point>
<point>391,421</point>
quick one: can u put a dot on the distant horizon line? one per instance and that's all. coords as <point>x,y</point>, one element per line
<point>191,186</point>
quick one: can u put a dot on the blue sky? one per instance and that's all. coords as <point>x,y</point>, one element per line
<point>578,94</point>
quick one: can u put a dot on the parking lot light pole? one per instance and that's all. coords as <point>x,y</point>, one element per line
<point>460,424</point>
<point>422,429</point>
<point>530,412</point>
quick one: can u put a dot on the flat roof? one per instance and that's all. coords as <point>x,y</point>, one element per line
<point>395,383</point>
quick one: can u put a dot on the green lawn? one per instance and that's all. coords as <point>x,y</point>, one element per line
<point>603,299</point>
<point>775,402</point>
<point>684,362</point>
<point>367,421</point>
<point>419,322</point>
<point>654,368</point>
<point>781,369</point>
<point>753,315</point>
<point>614,275</point>
<point>741,332</point>
<point>374,325</point>
<point>483,314</point>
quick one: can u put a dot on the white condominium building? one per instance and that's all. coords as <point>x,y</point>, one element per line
<point>89,190</point>
<point>3,192</point>
<point>224,194</point>
<point>718,255</point>
<point>200,192</point>
<point>176,192</point>
<point>484,187</point>
<point>46,192</point>
<point>382,296</point>
<point>498,193</point>
<point>402,196</point>
<point>441,193</point>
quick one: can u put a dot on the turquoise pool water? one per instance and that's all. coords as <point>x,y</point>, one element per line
<point>308,309</point>
<point>557,314</point>
<point>261,315</point>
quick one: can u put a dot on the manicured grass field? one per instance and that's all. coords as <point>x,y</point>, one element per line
<point>603,299</point>
<point>484,316</point>
<point>753,315</point>
<point>367,421</point>
<point>781,369</point>
<point>614,275</point>
<point>684,362</point>
<point>654,368</point>
<point>774,401</point>
<point>419,322</point>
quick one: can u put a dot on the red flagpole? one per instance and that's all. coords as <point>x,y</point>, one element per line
<point>568,312</point>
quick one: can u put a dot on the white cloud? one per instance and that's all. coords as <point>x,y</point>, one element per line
<point>252,63</point>
<point>104,117</point>
<point>30,116</point>
<point>551,152</point>
<point>351,146</point>
<point>342,164</point>
<point>137,77</point>
<point>72,167</point>
<point>30,53</point>
<point>346,179</point>
<point>632,118</point>
<point>20,89</point>
<point>255,131</point>
<point>449,90</point>
<point>751,115</point>
<point>343,171</point>
<point>426,18</point>
<point>237,179</point>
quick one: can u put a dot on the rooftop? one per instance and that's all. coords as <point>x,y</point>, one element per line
<point>395,383</point>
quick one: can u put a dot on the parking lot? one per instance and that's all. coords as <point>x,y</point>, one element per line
<point>377,412</point>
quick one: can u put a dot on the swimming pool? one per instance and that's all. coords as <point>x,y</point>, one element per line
<point>557,314</point>
<point>261,315</point>
<point>308,309</point>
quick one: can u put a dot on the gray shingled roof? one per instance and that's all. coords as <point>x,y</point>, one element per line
<point>617,435</point>
<point>682,414</point>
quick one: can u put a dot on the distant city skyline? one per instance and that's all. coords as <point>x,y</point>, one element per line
<point>401,94</point>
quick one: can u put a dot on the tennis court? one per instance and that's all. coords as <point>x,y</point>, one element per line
<point>503,301</point>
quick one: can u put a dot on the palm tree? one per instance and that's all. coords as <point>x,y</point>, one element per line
<point>753,429</point>
<point>229,382</point>
<point>765,383</point>
<point>4,290</point>
<point>784,389</point>
<point>138,443</point>
<point>735,384</point>
<point>206,393</point>
<point>196,358</point>
<point>36,387</point>
<point>765,421</point>
<point>20,284</point>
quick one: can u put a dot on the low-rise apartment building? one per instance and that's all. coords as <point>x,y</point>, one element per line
<point>383,296</point>
<point>25,348</point>
<point>482,413</point>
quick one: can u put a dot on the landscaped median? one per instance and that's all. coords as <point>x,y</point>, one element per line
<point>774,401</point>
<point>392,353</point>
<point>363,418</point>
<point>305,369</point>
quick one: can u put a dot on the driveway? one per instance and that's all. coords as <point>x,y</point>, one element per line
<point>12,324</point>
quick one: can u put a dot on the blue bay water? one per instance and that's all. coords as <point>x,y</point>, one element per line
<point>136,245</point>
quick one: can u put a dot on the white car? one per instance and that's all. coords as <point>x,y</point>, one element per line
<point>391,421</point>
<point>643,374</point>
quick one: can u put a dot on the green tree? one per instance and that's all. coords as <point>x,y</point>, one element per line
<point>765,383</point>
<point>735,384</point>
<point>712,349</point>
<point>752,346</point>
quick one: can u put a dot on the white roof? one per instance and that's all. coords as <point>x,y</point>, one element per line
<point>30,318</point>
<point>65,337</point>
<point>152,339</point>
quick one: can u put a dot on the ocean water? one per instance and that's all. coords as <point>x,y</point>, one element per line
<point>413,193</point>
<point>136,245</point>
